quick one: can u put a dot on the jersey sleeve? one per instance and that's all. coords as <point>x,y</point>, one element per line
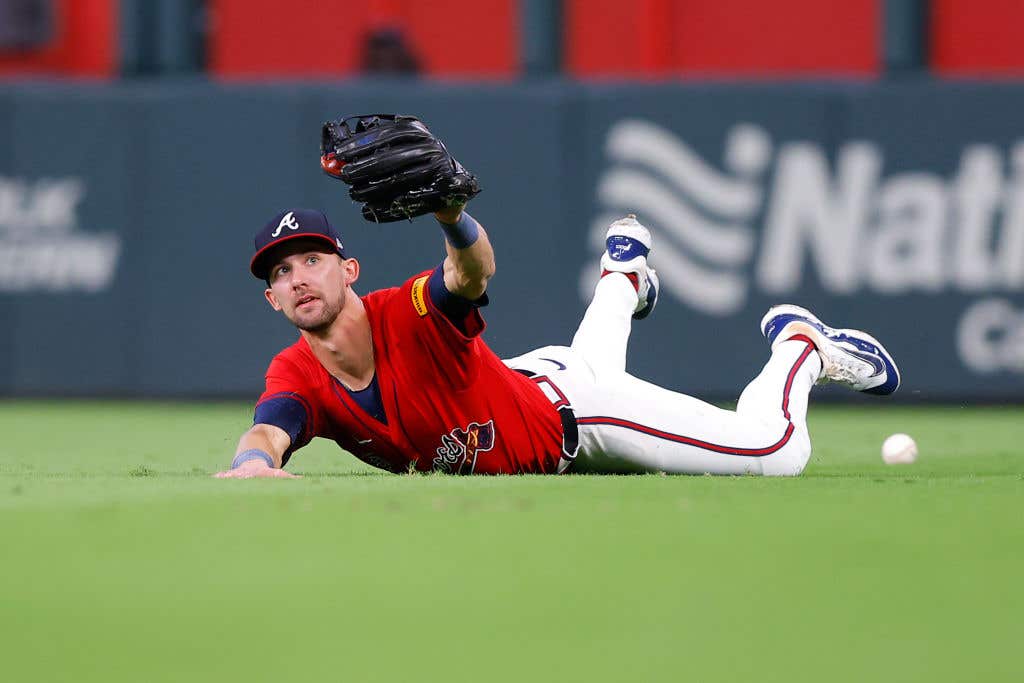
<point>420,312</point>
<point>285,404</point>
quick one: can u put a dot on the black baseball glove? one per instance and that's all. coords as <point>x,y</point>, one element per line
<point>394,166</point>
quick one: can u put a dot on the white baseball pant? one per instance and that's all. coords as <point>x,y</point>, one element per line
<point>627,425</point>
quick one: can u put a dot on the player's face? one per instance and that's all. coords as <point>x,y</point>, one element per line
<point>309,284</point>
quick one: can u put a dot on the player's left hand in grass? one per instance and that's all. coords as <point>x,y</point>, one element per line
<point>260,455</point>
<point>254,471</point>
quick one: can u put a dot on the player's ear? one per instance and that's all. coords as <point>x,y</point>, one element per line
<point>271,299</point>
<point>351,267</point>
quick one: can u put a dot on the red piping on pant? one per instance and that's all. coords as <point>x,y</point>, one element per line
<point>707,445</point>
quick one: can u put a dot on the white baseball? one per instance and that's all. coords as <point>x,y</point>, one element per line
<point>899,449</point>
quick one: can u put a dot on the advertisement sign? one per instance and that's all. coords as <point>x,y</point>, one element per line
<point>748,209</point>
<point>897,209</point>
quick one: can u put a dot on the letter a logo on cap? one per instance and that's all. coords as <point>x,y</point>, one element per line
<point>287,222</point>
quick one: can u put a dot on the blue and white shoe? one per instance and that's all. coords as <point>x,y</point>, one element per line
<point>848,357</point>
<point>627,245</point>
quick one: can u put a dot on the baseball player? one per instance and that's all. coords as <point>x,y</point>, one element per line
<point>402,379</point>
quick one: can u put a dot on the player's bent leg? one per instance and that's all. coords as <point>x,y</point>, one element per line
<point>682,435</point>
<point>633,426</point>
<point>627,291</point>
<point>760,400</point>
<point>603,334</point>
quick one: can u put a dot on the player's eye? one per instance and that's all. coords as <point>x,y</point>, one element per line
<point>312,259</point>
<point>281,270</point>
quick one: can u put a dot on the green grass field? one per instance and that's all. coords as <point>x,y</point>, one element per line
<point>122,560</point>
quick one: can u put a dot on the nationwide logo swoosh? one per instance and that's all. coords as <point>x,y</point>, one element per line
<point>701,214</point>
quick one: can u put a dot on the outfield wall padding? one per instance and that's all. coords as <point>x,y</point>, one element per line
<point>127,212</point>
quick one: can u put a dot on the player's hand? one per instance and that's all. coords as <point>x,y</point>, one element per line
<point>450,215</point>
<point>256,469</point>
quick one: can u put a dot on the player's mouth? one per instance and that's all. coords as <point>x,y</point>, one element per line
<point>302,301</point>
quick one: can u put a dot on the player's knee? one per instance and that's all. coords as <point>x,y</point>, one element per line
<point>788,461</point>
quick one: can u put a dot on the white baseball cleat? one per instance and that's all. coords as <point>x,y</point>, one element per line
<point>627,244</point>
<point>848,357</point>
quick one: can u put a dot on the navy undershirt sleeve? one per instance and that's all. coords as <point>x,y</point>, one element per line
<point>454,307</point>
<point>286,412</point>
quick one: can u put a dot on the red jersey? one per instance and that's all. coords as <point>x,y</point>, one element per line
<point>449,402</point>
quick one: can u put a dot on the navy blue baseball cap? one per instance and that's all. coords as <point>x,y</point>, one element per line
<point>290,225</point>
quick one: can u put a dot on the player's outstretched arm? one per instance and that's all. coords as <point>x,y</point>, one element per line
<point>470,262</point>
<point>260,454</point>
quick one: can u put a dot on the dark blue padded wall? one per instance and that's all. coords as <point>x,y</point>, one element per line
<point>126,217</point>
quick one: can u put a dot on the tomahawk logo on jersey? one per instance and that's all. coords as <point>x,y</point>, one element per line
<point>460,448</point>
<point>440,398</point>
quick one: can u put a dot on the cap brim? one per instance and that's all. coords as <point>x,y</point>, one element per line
<point>258,265</point>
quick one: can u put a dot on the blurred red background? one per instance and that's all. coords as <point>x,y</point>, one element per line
<point>481,39</point>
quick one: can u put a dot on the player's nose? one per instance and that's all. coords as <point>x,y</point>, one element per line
<point>299,280</point>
